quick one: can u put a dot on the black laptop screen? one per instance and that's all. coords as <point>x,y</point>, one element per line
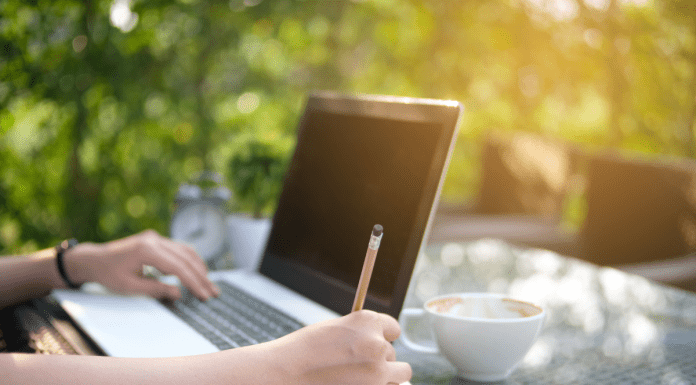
<point>350,172</point>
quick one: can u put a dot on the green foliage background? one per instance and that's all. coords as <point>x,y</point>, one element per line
<point>102,117</point>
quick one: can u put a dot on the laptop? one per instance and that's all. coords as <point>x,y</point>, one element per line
<point>359,161</point>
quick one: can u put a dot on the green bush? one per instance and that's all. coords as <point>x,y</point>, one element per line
<point>256,173</point>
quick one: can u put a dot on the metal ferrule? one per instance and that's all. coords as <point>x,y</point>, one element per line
<point>374,242</point>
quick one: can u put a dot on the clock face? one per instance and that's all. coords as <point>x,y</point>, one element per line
<point>203,226</point>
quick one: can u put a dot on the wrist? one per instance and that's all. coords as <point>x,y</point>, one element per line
<point>61,249</point>
<point>78,262</point>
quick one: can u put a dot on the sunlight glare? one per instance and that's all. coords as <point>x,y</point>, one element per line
<point>452,254</point>
<point>593,37</point>
<point>614,284</point>
<point>535,288</point>
<point>121,16</point>
<point>601,5</point>
<point>427,286</point>
<point>541,353</point>
<point>563,10</point>
<point>642,333</point>
<point>547,262</point>
<point>486,251</point>
<point>560,10</point>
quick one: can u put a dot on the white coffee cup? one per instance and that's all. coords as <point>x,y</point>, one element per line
<point>484,335</point>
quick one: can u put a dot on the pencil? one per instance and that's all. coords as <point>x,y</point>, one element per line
<point>368,265</point>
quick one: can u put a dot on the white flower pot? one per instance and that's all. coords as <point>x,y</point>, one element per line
<point>247,240</point>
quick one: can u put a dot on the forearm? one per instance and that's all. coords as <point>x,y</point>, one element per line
<point>351,350</point>
<point>35,275</point>
<point>56,369</point>
<point>237,366</point>
<point>26,277</point>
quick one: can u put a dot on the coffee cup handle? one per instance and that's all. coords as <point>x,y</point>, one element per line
<point>406,315</point>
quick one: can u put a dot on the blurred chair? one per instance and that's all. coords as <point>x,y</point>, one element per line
<point>524,181</point>
<point>641,217</point>
<point>523,175</point>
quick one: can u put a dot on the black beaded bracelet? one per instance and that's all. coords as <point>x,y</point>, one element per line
<point>61,248</point>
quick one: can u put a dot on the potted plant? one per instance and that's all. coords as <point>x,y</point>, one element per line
<point>256,172</point>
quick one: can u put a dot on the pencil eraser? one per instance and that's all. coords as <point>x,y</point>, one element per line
<point>377,230</point>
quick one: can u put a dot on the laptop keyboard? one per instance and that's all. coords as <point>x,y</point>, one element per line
<point>41,326</point>
<point>233,319</point>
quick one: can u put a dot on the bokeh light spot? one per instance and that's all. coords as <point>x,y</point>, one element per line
<point>9,232</point>
<point>79,43</point>
<point>452,254</point>
<point>248,102</point>
<point>136,206</point>
<point>155,105</point>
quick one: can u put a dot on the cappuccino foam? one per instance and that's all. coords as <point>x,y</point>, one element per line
<point>484,308</point>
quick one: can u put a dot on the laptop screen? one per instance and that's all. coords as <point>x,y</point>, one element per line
<point>358,162</point>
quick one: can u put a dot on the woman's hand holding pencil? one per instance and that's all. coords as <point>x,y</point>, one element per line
<point>354,349</point>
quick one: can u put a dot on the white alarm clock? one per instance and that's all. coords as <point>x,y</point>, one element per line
<point>200,219</point>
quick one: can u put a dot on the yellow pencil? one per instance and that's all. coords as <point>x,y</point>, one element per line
<point>369,264</point>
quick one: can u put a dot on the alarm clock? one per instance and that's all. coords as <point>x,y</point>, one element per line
<point>200,218</point>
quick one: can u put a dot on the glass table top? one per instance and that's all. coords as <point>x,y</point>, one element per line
<point>603,326</point>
